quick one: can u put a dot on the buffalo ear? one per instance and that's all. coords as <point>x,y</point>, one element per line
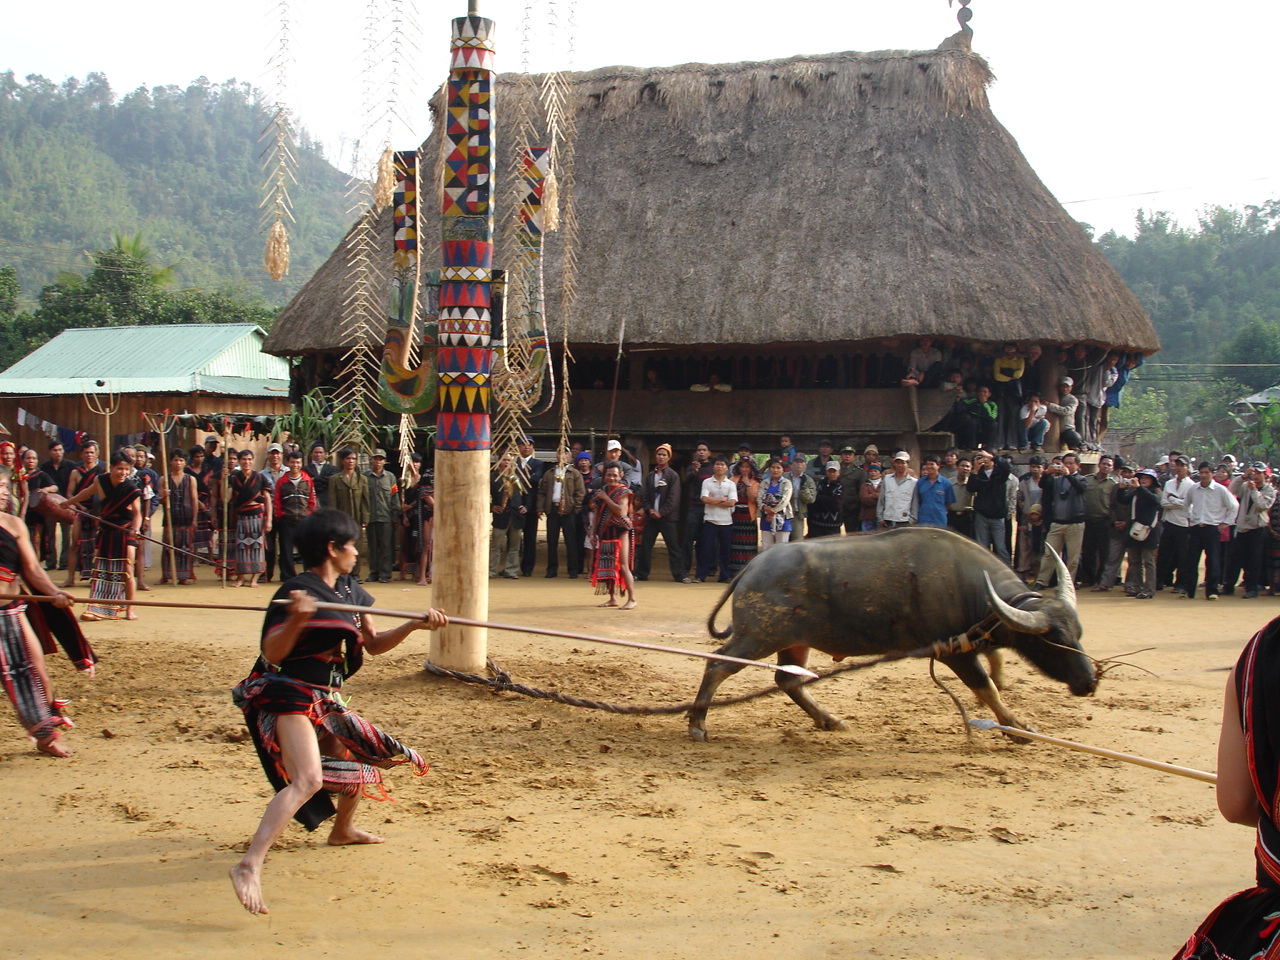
<point>1021,621</point>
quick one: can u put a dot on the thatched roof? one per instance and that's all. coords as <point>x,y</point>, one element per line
<point>821,199</point>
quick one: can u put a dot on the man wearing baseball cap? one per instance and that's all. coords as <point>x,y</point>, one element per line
<point>272,473</point>
<point>1066,408</point>
<point>897,504</point>
<point>1247,551</point>
<point>852,477</point>
<point>615,453</point>
<point>384,514</point>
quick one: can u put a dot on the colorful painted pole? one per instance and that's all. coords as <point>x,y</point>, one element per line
<point>402,389</point>
<point>519,391</point>
<point>465,356</point>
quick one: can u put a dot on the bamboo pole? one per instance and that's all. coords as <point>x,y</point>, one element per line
<point>161,423</point>
<point>417,615</point>
<point>984,724</point>
<point>225,486</point>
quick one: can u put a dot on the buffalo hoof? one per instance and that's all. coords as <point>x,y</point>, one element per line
<point>831,723</point>
<point>1014,737</point>
<point>697,735</point>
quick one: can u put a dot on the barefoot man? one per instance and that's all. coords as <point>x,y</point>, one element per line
<point>309,743</point>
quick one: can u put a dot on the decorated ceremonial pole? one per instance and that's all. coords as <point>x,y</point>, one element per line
<point>162,423</point>
<point>224,484</point>
<point>465,356</point>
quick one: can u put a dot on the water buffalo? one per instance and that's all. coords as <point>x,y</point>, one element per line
<point>898,590</point>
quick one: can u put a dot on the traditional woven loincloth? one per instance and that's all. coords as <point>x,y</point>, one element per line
<point>39,716</point>
<point>250,557</point>
<point>369,750</point>
<point>110,574</point>
<point>606,570</point>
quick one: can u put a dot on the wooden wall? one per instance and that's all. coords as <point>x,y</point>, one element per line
<point>805,414</point>
<point>73,413</point>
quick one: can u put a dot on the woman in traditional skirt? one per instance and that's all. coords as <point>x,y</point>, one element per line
<point>120,516</point>
<point>611,536</point>
<point>309,743</point>
<point>84,531</point>
<point>181,501</point>
<point>22,668</point>
<point>743,540</point>
<point>1248,788</point>
<point>250,506</point>
<point>207,489</point>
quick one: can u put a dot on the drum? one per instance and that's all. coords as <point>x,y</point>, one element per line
<point>51,507</point>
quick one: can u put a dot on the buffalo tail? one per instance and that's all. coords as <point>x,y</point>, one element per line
<point>711,620</point>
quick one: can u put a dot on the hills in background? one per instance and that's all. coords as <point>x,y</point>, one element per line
<point>180,171</point>
<point>181,166</point>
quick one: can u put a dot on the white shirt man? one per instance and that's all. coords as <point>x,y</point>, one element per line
<point>719,494</point>
<point>1209,503</point>
<point>1175,541</point>
<point>1210,511</point>
<point>897,504</point>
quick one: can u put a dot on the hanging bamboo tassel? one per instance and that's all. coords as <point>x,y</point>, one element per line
<point>276,256</point>
<point>385,186</point>
<point>550,202</point>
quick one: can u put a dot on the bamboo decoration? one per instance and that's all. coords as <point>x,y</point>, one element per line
<point>226,495</point>
<point>279,161</point>
<point>523,372</point>
<point>162,423</point>
<point>465,355</point>
<point>104,406</point>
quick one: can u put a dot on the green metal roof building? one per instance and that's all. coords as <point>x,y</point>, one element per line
<point>182,368</point>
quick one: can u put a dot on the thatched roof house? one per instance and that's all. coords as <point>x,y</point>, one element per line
<point>794,210</point>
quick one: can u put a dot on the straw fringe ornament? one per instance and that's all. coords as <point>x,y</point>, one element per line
<point>550,203</point>
<point>276,256</point>
<point>278,159</point>
<point>385,185</point>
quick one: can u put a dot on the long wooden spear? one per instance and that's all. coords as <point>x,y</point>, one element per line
<point>418,615</point>
<point>590,638</point>
<point>162,423</point>
<point>983,724</point>
<point>617,370</point>
<point>142,536</point>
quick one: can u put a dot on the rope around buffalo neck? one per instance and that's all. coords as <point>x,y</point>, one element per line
<point>976,639</point>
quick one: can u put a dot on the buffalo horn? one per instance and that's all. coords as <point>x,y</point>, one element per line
<point>1066,588</point>
<point>1021,620</point>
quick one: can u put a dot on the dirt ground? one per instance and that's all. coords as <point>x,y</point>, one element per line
<point>548,831</point>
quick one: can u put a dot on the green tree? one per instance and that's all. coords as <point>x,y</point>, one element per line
<point>1142,412</point>
<point>9,291</point>
<point>121,288</point>
<point>181,164</point>
<point>1257,342</point>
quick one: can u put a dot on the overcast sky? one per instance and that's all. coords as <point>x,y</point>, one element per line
<point>1118,104</point>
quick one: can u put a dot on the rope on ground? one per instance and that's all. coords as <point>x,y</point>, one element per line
<point>500,680</point>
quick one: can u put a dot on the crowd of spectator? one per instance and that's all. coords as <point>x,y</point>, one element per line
<point>998,402</point>
<point>1123,526</point>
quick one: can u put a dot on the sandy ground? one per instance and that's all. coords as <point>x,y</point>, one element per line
<point>548,831</point>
